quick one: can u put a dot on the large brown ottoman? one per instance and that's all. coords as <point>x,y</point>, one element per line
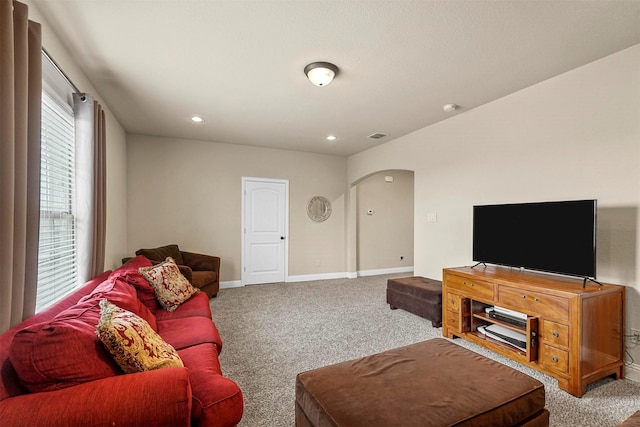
<point>417,295</point>
<point>431,383</point>
<point>632,421</point>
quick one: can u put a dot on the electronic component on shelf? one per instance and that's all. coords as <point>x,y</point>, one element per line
<point>500,333</point>
<point>507,319</point>
<point>511,313</point>
<point>508,316</point>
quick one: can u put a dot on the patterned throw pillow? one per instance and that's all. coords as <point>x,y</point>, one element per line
<point>170,286</point>
<point>132,343</point>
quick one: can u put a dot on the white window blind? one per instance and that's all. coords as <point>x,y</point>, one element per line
<point>57,271</point>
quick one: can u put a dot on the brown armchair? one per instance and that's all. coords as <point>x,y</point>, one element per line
<point>203,271</point>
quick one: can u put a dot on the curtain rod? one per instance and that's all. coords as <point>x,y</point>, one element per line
<point>57,67</point>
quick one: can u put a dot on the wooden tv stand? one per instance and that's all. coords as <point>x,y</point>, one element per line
<point>573,334</point>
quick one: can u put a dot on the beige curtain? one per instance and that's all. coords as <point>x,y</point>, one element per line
<point>20,104</point>
<point>90,186</point>
<point>99,191</point>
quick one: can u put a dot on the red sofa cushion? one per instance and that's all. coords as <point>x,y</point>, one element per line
<point>122,294</point>
<point>66,350</point>
<point>130,274</point>
<point>190,331</point>
<point>10,384</point>
<point>63,352</point>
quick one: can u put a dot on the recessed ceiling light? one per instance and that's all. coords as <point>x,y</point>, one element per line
<point>332,138</point>
<point>197,119</point>
<point>450,107</point>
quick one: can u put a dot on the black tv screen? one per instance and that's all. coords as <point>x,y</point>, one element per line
<point>556,237</point>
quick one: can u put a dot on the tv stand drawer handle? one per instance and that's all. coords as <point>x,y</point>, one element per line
<point>555,358</point>
<point>556,333</point>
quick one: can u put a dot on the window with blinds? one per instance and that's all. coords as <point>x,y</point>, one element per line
<point>57,272</point>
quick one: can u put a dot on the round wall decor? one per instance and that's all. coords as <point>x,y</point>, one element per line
<point>319,209</point>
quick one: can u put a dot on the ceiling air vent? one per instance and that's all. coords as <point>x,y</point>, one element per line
<point>377,135</point>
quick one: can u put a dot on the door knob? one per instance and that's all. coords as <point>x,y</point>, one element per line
<point>281,237</point>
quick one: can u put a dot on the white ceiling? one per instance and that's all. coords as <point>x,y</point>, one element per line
<point>239,64</point>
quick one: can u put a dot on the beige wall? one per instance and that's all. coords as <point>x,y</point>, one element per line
<point>387,234</point>
<point>189,192</point>
<point>574,136</point>
<point>116,245</point>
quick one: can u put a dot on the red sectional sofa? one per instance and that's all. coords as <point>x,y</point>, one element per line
<point>56,372</point>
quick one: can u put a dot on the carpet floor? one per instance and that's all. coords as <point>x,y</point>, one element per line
<point>273,332</point>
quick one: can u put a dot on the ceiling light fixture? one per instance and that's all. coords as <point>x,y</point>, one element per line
<point>450,107</point>
<point>320,73</point>
<point>197,119</point>
<point>332,138</point>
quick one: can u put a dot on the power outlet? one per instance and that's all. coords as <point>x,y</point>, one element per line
<point>635,336</point>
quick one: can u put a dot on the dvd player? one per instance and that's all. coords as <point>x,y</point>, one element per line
<point>511,313</point>
<point>507,319</point>
<point>503,334</point>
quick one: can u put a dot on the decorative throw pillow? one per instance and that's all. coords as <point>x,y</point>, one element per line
<point>170,286</point>
<point>132,343</point>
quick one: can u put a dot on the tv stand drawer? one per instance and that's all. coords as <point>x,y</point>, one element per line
<point>554,359</point>
<point>472,288</point>
<point>555,333</point>
<point>457,304</point>
<point>457,322</point>
<point>547,306</point>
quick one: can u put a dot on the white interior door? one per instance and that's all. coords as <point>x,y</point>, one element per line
<point>265,226</point>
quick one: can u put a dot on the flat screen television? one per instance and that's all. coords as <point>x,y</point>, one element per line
<point>556,237</point>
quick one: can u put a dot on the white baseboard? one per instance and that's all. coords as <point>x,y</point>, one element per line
<point>322,276</point>
<point>327,276</point>
<point>348,275</point>
<point>231,284</point>
<point>363,273</point>
<point>632,372</point>
<point>297,278</point>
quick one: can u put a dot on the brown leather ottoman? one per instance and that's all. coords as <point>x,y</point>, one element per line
<point>632,421</point>
<point>431,383</point>
<point>417,295</point>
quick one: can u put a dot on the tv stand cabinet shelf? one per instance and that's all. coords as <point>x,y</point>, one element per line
<point>573,334</point>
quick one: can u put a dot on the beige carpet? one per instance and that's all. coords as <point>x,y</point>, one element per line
<point>273,332</point>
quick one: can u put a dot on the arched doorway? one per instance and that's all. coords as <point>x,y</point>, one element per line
<point>384,222</point>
